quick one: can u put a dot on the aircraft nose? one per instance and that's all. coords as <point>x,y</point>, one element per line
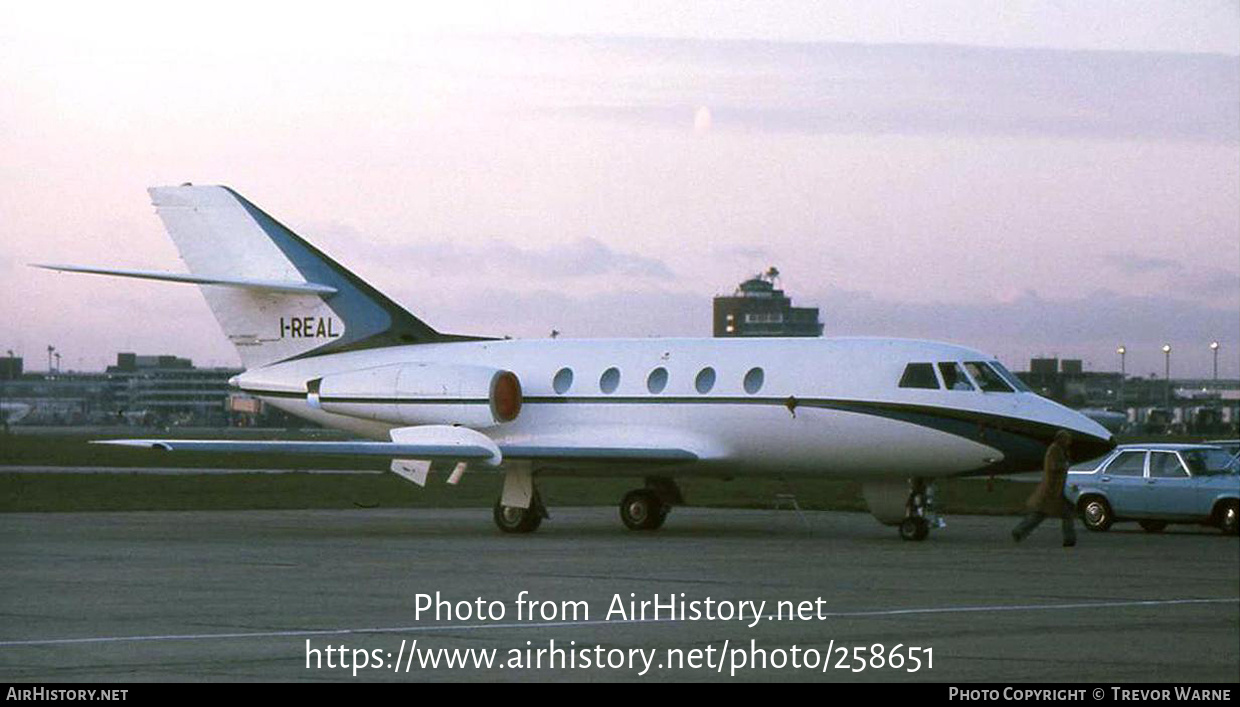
<point>1089,439</point>
<point>1088,446</point>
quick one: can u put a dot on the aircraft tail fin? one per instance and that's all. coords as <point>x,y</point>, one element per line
<point>275,296</point>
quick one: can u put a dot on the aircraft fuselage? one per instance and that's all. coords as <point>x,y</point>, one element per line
<point>831,407</point>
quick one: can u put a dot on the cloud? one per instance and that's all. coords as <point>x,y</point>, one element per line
<point>1218,282</point>
<point>498,311</point>
<point>914,89</point>
<point>580,258</point>
<point>1088,328</point>
<point>701,120</point>
<point>1133,264</point>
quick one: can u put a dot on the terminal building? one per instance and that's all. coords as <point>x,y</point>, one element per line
<point>757,308</point>
<point>137,390</point>
<point>1144,405</point>
<point>170,389</point>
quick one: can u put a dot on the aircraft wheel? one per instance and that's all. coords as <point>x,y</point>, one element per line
<point>1152,526</point>
<point>511,519</point>
<point>642,510</point>
<point>914,528</point>
<point>1096,513</point>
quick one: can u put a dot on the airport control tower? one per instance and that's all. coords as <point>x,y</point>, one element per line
<point>756,308</point>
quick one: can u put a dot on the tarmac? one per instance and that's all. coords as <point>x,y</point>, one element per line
<point>275,595</point>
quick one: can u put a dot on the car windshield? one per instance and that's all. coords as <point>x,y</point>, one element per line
<point>1209,461</point>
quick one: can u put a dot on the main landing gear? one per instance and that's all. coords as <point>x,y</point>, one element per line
<point>520,508</point>
<point>646,509</point>
<point>512,519</point>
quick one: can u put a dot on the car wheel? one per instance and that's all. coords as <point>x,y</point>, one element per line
<point>1096,513</point>
<point>1229,517</point>
<point>1152,526</point>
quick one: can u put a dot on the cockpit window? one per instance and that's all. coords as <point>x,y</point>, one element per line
<point>954,377</point>
<point>1010,377</point>
<point>987,378</point>
<point>919,375</point>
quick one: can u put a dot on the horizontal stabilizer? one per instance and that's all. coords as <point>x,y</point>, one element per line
<point>284,286</point>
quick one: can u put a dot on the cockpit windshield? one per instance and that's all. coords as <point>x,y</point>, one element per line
<point>919,375</point>
<point>954,377</point>
<point>987,378</point>
<point>1010,377</point>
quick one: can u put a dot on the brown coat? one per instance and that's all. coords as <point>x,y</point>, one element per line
<point>1048,496</point>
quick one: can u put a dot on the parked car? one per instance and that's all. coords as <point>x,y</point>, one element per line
<point>1157,484</point>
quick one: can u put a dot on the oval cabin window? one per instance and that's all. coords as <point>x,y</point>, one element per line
<point>705,380</point>
<point>753,380</point>
<point>563,380</point>
<point>657,380</point>
<point>610,380</point>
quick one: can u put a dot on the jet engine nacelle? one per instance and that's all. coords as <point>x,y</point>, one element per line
<point>421,394</point>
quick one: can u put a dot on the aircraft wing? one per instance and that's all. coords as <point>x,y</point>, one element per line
<point>436,444</point>
<point>432,452</point>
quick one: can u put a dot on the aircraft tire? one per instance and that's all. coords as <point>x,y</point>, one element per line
<point>516,520</point>
<point>642,510</point>
<point>914,528</point>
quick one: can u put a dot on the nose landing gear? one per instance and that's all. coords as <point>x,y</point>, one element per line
<point>908,505</point>
<point>920,514</point>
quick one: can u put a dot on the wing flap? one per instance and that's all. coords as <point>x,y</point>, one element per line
<point>596,455</point>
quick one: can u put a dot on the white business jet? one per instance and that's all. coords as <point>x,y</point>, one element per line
<point>320,343</point>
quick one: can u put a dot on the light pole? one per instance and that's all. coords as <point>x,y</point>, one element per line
<point>1167,377</point>
<point>1121,351</point>
<point>1214,348</point>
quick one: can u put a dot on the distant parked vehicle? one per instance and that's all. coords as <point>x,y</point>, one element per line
<point>1159,421</point>
<point>1113,420</point>
<point>1157,484</point>
<point>1231,445</point>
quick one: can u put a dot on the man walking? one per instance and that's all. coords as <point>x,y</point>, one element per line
<point>1048,499</point>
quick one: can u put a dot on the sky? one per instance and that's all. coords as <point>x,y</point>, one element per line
<point>1028,178</point>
